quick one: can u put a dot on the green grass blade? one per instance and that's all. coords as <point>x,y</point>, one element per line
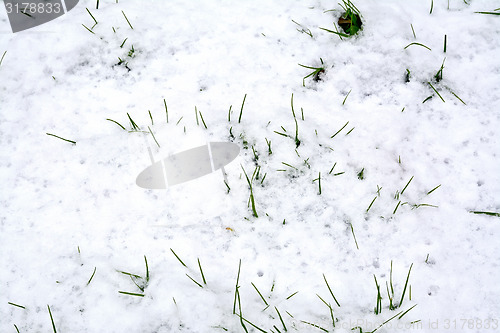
<point>130,25</point>
<point>258,292</point>
<point>52,319</point>
<point>201,270</point>
<point>95,268</point>
<point>131,294</point>
<point>330,290</point>
<point>17,305</point>
<point>428,48</point>
<point>485,213</point>
<point>406,284</point>
<point>71,141</point>
<point>436,92</point>
<point>241,110</point>
<point>183,264</point>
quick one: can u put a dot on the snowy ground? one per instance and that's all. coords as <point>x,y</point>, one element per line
<point>68,211</point>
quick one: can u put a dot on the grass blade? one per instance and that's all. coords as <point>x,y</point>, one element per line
<point>436,92</point>
<point>485,213</point>
<point>150,131</point>
<point>52,319</point>
<point>281,319</point>
<point>73,142</point>
<point>199,285</point>
<point>201,270</point>
<point>183,264</point>
<point>130,25</point>
<point>116,123</point>
<point>95,268</point>
<point>428,48</point>
<point>406,284</point>
<point>258,292</point>
<point>407,185</point>
<point>131,294</point>
<point>19,306</point>
<point>339,130</point>
<point>241,111</point>
<point>1,59</point>
<point>330,290</point>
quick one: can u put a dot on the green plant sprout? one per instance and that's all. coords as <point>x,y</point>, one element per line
<point>316,73</point>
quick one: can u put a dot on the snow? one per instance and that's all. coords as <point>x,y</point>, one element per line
<point>69,209</point>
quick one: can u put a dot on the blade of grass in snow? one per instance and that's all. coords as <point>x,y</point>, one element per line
<point>130,25</point>
<point>258,292</point>
<point>1,59</point>
<point>406,311</point>
<point>281,319</point>
<point>371,203</point>
<point>147,269</point>
<point>485,213</point>
<point>117,123</point>
<point>203,120</point>
<point>330,290</point>
<point>395,209</point>
<point>425,100</point>
<point>17,329</point>
<point>339,130</point>
<point>131,294</point>
<point>17,305</point>
<point>355,241</point>
<point>201,271</point>
<point>199,285</point>
<point>131,275</point>
<point>152,134</point>
<point>236,288</point>
<point>407,185</point>
<point>166,108</point>
<point>444,44</point>
<point>458,97</point>
<point>432,6</point>
<point>95,268</point>
<point>314,325</point>
<point>255,326</point>
<point>406,284</point>
<point>414,43</point>
<point>385,322</point>
<point>352,129</point>
<point>73,142</point>
<point>413,30</point>
<point>52,319</point>
<point>183,264</point>
<point>489,13</point>
<point>295,293</point>
<point>151,116</point>
<point>88,11</point>
<point>435,188</point>
<point>132,123</point>
<point>346,97</point>
<point>378,307</point>
<point>436,92</point>
<point>241,111</point>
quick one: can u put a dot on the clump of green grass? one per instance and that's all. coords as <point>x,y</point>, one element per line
<point>350,21</point>
<point>316,73</point>
<point>139,281</point>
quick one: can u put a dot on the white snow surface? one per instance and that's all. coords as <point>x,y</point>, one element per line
<point>69,209</point>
